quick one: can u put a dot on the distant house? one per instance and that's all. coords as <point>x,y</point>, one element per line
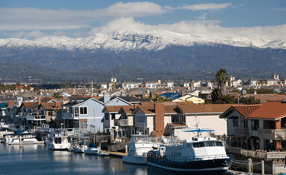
<point>130,85</point>
<point>151,84</point>
<point>270,82</point>
<point>170,84</point>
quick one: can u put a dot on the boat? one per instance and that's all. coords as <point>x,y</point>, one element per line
<point>80,148</point>
<point>91,150</point>
<point>139,147</point>
<point>196,155</point>
<point>58,141</point>
<point>5,132</point>
<point>21,139</point>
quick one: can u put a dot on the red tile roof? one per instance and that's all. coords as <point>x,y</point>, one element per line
<point>128,109</point>
<point>270,110</point>
<point>205,108</point>
<point>246,110</point>
<point>50,106</point>
<point>28,104</point>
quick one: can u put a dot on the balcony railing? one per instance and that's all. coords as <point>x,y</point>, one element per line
<point>272,134</point>
<point>70,116</point>
<point>35,117</point>
<point>121,122</point>
<point>242,132</point>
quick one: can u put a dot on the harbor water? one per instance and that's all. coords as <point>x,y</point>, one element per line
<point>37,159</point>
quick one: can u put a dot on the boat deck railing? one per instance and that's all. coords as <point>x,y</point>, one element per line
<point>195,158</point>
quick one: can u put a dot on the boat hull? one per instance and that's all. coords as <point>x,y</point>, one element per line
<point>139,160</point>
<point>217,165</point>
<point>53,146</point>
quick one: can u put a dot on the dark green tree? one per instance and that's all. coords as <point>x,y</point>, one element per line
<point>221,78</point>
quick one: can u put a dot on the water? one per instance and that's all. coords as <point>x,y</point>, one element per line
<point>37,159</point>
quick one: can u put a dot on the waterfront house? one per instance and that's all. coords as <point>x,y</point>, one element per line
<point>154,118</point>
<point>257,126</point>
<point>83,112</point>
<point>30,115</point>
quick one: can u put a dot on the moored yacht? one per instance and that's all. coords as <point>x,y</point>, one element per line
<point>194,155</point>
<point>139,147</point>
<point>58,142</point>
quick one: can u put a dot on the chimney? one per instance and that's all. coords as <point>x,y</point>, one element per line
<point>159,119</point>
<point>39,100</point>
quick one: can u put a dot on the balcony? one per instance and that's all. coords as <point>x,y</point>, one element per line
<point>241,132</point>
<point>31,117</point>
<point>70,116</point>
<point>121,122</point>
<point>272,134</point>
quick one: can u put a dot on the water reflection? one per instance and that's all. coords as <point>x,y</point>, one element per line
<point>35,159</point>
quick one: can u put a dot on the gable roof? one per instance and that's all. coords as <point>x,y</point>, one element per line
<point>244,110</point>
<point>112,109</point>
<point>127,109</point>
<point>270,110</point>
<point>118,98</point>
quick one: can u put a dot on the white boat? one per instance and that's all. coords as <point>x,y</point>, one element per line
<point>194,155</point>
<point>139,147</point>
<point>2,133</point>
<point>58,142</point>
<point>80,148</point>
<point>23,139</point>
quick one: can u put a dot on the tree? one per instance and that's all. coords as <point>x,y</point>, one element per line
<point>191,83</point>
<point>213,82</point>
<point>67,85</point>
<point>221,78</point>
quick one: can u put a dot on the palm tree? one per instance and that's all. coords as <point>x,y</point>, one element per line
<point>221,78</point>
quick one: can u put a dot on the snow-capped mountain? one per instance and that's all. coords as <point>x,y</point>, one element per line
<point>139,51</point>
<point>123,41</point>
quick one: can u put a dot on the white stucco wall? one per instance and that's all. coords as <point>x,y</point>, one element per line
<point>209,121</point>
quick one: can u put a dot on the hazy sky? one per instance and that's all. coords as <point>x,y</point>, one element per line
<point>32,19</point>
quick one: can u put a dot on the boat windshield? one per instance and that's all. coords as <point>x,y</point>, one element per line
<point>207,144</point>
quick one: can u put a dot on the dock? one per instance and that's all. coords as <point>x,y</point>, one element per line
<point>115,154</point>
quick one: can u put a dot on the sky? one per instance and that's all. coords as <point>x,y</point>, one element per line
<point>33,19</point>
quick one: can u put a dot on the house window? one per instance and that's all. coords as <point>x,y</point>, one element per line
<point>235,122</point>
<point>175,118</point>
<point>140,119</point>
<point>50,113</point>
<point>106,115</point>
<point>83,110</point>
<point>254,124</point>
<point>112,116</point>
